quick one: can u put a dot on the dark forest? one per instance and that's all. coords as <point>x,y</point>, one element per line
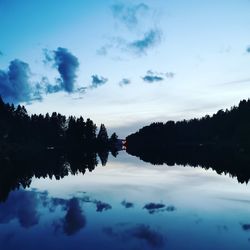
<point>220,142</point>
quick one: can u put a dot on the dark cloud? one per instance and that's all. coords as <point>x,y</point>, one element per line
<point>248,49</point>
<point>67,65</point>
<point>98,81</point>
<point>1,53</point>
<point>152,76</point>
<point>170,208</point>
<point>149,40</point>
<point>74,219</point>
<point>129,14</point>
<point>158,207</point>
<point>152,207</point>
<point>14,83</point>
<point>127,204</point>
<point>102,206</point>
<point>150,236</point>
<point>124,81</point>
<point>55,202</point>
<point>21,205</point>
<point>246,227</point>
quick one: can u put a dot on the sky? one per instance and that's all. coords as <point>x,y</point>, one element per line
<point>125,63</point>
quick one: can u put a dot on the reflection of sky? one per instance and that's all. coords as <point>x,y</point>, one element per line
<point>129,205</point>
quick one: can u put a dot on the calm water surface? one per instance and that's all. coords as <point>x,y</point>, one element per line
<point>129,204</point>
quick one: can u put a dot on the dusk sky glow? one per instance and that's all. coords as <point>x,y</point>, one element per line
<point>125,63</point>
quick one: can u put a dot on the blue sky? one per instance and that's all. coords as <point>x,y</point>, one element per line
<point>125,63</point>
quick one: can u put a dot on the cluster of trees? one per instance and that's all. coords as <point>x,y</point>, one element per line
<point>18,168</point>
<point>224,160</point>
<point>225,128</point>
<point>55,130</point>
<point>220,142</point>
<point>44,146</point>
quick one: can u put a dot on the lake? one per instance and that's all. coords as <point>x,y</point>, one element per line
<point>129,204</point>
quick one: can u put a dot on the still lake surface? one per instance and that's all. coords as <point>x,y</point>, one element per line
<point>129,204</point>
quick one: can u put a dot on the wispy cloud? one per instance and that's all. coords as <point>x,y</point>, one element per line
<point>139,47</point>
<point>149,40</point>
<point>45,87</point>
<point>124,81</point>
<point>103,51</point>
<point>98,81</point>
<point>129,14</point>
<point>152,76</point>
<point>138,19</point>
<point>236,81</point>
<point>127,204</point>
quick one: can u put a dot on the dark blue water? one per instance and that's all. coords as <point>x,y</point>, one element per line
<point>129,204</point>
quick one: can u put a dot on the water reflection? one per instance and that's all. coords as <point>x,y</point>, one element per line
<point>223,160</point>
<point>18,169</point>
<point>128,204</point>
<point>21,206</point>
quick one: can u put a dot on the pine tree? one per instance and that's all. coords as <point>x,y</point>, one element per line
<point>102,136</point>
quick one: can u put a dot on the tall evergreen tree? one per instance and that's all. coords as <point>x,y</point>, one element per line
<point>102,136</point>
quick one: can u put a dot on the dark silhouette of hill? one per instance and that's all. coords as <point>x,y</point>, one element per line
<point>220,141</point>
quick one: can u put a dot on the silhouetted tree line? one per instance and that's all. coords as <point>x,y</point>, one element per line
<point>225,160</point>
<point>220,141</point>
<point>225,128</point>
<point>18,167</point>
<point>18,129</point>
<point>47,145</point>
